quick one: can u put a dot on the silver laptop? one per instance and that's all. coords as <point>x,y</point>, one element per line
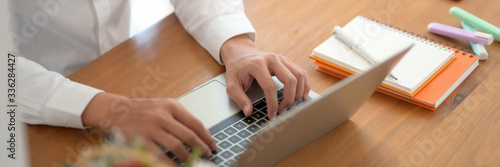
<point>256,141</point>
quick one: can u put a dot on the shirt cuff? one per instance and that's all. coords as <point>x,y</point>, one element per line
<point>68,103</point>
<point>234,24</point>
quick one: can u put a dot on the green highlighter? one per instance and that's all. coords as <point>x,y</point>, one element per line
<point>475,21</point>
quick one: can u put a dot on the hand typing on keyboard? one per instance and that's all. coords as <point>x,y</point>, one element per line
<point>244,63</point>
<point>156,121</point>
<point>235,133</point>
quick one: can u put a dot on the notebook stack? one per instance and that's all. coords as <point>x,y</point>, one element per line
<point>426,76</point>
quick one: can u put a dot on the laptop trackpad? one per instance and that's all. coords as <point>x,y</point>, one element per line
<point>209,103</point>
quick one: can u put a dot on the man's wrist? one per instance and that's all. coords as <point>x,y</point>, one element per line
<point>99,110</point>
<point>239,45</point>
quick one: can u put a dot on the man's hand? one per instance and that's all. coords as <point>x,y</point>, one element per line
<point>155,121</point>
<point>244,63</point>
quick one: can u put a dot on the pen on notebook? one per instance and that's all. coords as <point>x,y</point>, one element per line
<point>455,32</point>
<point>349,41</point>
<point>475,21</point>
<point>478,49</point>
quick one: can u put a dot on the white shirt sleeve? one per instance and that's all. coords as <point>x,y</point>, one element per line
<point>52,39</point>
<point>47,97</point>
<point>213,22</point>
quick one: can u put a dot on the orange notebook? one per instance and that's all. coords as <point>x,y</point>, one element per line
<point>436,91</point>
<point>422,62</point>
<point>383,85</point>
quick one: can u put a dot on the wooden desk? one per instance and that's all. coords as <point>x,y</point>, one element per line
<point>464,131</point>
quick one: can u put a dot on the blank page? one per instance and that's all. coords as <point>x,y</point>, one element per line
<point>420,63</point>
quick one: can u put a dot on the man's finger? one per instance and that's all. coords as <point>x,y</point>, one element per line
<point>267,84</point>
<point>155,150</point>
<point>290,82</point>
<point>300,74</point>
<point>236,92</point>
<point>185,118</point>
<point>302,81</point>
<point>187,136</point>
<point>172,144</point>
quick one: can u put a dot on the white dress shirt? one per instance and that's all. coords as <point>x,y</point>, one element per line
<point>54,38</point>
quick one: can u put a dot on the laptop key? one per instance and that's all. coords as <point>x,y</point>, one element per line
<point>234,139</point>
<point>249,120</point>
<point>244,134</point>
<point>239,125</point>
<point>177,160</point>
<point>267,118</point>
<point>217,160</point>
<point>261,122</point>
<point>236,149</point>
<point>264,110</point>
<point>225,144</point>
<point>258,115</point>
<point>226,154</point>
<point>244,143</point>
<point>170,154</point>
<point>259,104</point>
<point>230,131</point>
<point>229,163</point>
<point>280,94</point>
<point>219,150</point>
<point>220,136</point>
<point>253,128</point>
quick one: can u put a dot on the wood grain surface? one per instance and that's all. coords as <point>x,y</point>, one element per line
<point>165,61</point>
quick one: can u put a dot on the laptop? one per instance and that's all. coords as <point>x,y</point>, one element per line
<point>257,141</point>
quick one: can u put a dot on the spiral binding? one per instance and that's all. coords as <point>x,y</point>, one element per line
<point>424,39</point>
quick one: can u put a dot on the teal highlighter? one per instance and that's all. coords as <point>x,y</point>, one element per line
<point>478,48</point>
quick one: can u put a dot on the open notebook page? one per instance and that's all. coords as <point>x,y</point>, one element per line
<point>420,63</point>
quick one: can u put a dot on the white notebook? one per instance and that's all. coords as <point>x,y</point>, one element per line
<point>420,63</point>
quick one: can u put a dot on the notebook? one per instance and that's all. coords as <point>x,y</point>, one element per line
<point>436,90</point>
<point>423,62</point>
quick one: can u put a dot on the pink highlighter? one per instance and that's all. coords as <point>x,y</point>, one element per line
<point>454,32</point>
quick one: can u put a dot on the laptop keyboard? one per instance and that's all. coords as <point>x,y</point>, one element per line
<point>234,133</point>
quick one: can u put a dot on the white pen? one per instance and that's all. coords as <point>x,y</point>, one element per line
<point>347,39</point>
